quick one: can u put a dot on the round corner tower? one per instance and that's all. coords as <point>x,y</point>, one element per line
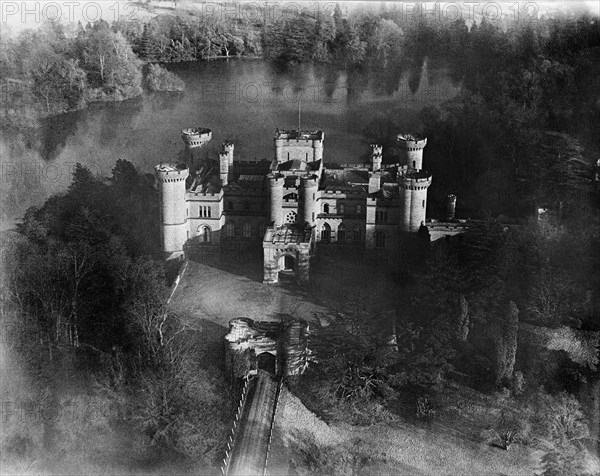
<point>195,136</point>
<point>413,184</point>
<point>173,206</point>
<point>308,189</point>
<point>276,182</point>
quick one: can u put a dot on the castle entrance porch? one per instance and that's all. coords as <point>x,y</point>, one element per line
<point>286,251</point>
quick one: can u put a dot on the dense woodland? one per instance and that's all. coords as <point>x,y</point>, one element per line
<point>513,308</point>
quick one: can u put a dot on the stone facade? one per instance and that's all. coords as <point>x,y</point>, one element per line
<point>293,202</point>
<point>280,348</point>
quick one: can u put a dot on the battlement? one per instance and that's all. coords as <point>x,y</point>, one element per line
<point>310,181</point>
<point>376,149</point>
<point>415,180</point>
<point>412,141</point>
<point>276,179</point>
<point>170,172</point>
<point>192,196</point>
<point>196,136</point>
<point>299,135</point>
<point>350,166</point>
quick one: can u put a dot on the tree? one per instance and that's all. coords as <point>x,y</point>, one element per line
<point>110,63</point>
<point>565,433</point>
<point>506,346</point>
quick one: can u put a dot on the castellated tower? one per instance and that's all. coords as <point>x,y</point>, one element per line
<point>413,145</point>
<point>171,179</point>
<point>298,145</point>
<point>276,193</point>
<point>413,184</point>
<point>308,197</point>
<point>228,149</point>
<point>376,157</point>
<point>194,137</point>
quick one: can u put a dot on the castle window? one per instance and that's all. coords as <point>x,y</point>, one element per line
<point>341,232</point>
<point>199,211</point>
<point>288,156</point>
<point>423,203</point>
<point>326,208</point>
<point>357,233</point>
<point>326,232</point>
<point>204,234</point>
<point>290,217</point>
<point>341,209</point>
<point>247,230</point>
<point>380,239</point>
<point>313,216</point>
<point>381,217</point>
<point>230,229</point>
<point>358,209</point>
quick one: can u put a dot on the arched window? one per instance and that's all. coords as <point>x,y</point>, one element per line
<point>208,210</point>
<point>230,229</point>
<point>326,232</point>
<point>341,234</point>
<point>326,208</point>
<point>247,230</point>
<point>204,233</point>
<point>290,217</point>
<point>357,233</point>
<point>380,239</point>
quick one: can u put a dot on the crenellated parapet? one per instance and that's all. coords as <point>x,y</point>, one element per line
<point>195,136</point>
<point>170,172</point>
<point>415,180</point>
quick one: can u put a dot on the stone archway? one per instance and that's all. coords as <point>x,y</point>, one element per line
<point>267,361</point>
<point>287,266</point>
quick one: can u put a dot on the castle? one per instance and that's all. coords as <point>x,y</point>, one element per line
<point>294,201</point>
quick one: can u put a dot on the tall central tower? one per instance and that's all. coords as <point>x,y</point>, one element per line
<point>413,184</point>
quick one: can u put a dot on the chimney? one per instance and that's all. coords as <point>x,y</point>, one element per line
<point>224,167</point>
<point>451,207</point>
